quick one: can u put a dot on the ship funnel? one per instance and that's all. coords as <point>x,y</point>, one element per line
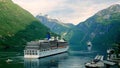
<point>48,36</point>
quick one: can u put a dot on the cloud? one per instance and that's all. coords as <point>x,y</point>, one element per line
<point>68,11</point>
<point>38,6</point>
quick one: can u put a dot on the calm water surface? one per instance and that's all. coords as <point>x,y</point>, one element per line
<point>74,58</point>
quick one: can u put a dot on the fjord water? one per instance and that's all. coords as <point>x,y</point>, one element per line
<point>74,58</point>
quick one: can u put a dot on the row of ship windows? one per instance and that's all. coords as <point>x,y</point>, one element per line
<point>27,51</point>
<point>31,53</point>
<point>50,48</point>
<point>44,50</point>
<point>35,51</point>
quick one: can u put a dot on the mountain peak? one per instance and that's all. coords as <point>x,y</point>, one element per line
<point>115,7</point>
<point>110,10</point>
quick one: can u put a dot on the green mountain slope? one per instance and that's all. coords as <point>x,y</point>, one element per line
<point>101,29</point>
<point>10,16</point>
<point>17,26</point>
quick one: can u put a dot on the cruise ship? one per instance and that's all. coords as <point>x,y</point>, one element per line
<point>43,48</point>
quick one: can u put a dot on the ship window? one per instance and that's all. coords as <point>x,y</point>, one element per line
<point>28,52</point>
<point>25,52</point>
<point>32,53</point>
<point>36,52</point>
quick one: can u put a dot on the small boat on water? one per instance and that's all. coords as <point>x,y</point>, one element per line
<point>89,43</point>
<point>9,60</point>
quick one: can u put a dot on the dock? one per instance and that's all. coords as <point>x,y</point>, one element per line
<point>96,62</point>
<point>109,62</point>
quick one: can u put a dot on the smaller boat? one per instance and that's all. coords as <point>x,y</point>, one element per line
<point>9,60</point>
<point>89,43</point>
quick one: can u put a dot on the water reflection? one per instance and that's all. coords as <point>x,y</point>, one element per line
<point>75,59</point>
<point>48,62</point>
<point>89,48</point>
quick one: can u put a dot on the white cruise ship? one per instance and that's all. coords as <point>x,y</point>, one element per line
<point>43,48</point>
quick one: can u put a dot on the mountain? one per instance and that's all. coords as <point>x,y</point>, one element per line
<point>103,28</point>
<point>18,26</point>
<point>55,25</point>
<point>70,25</point>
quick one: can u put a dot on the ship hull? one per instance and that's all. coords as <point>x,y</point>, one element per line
<point>48,53</point>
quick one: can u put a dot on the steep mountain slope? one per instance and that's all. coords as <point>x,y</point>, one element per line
<point>55,25</point>
<point>101,29</point>
<point>17,26</point>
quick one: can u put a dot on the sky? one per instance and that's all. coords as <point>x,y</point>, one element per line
<point>66,11</point>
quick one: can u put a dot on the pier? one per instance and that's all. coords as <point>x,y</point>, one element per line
<point>113,62</point>
<point>108,64</point>
<point>96,62</point>
<point>99,62</point>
